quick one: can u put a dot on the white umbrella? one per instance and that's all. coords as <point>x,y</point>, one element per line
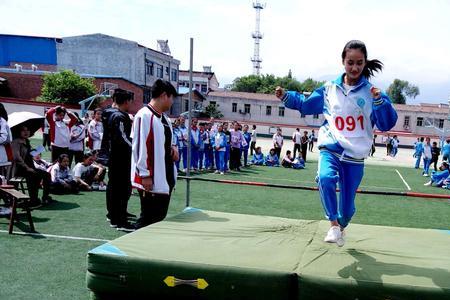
<point>31,120</point>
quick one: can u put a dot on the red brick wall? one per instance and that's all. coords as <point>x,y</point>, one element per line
<point>125,85</point>
<point>24,86</point>
<point>28,86</point>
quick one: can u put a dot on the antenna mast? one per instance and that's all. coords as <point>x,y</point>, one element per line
<point>257,36</point>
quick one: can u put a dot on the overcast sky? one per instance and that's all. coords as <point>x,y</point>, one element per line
<point>411,37</point>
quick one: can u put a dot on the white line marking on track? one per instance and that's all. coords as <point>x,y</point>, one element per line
<point>404,181</point>
<point>56,236</point>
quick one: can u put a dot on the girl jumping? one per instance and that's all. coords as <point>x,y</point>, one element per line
<point>352,107</point>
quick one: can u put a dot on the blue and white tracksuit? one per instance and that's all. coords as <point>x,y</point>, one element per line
<point>418,150</point>
<point>345,138</point>
<point>195,147</point>
<point>220,140</point>
<point>184,141</point>
<point>248,137</point>
<point>426,158</point>
<point>446,151</point>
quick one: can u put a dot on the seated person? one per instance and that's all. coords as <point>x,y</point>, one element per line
<point>62,179</point>
<point>38,162</point>
<point>89,176</point>
<point>287,160</point>
<point>23,166</point>
<point>299,162</point>
<point>272,159</point>
<point>258,157</point>
<point>438,178</point>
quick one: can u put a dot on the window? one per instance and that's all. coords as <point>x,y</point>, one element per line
<point>204,88</point>
<point>167,70</point>
<point>302,115</point>
<point>281,111</point>
<point>441,123</point>
<point>174,75</point>
<point>186,105</point>
<point>268,110</point>
<point>212,103</point>
<point>406,121</point>
<point>159,71</point>
<point>247,108</point>
<point>315,116</point>
<point>234,107</point>
<point>419,122</point>
<point>149,67</point>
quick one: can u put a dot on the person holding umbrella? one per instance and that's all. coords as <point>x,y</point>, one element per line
<point>23,166</point>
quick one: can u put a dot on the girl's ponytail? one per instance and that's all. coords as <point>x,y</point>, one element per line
<point>373,65</point>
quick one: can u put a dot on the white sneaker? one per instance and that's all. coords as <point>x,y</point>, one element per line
<point>334,235</point>
<point>222,173</point>
<point>425,175</point>
<point>217,172</point>
<point>102,188</point>
<point>427,183</point>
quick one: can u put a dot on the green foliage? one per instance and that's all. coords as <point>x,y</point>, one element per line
<point>399,89</point>
<point>213,111</point>
<point>66,87</point>
<point>266,84</point>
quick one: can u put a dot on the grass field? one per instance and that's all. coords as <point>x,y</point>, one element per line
<point>37,267</point>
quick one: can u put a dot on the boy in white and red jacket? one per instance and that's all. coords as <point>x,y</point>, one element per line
<point>153,170</point>
<point>60,130</point>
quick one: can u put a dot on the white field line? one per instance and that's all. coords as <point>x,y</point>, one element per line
<point>404,181</point>
<point>56,236</point>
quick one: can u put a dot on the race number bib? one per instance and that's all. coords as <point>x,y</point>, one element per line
<point>352,125</point>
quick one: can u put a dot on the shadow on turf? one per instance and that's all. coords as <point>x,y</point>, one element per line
<point>60,206</point>
<point>368,268</point>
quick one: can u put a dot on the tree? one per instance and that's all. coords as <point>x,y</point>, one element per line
<point>212,111</point>
<point>266,84</point>
<point>399,89</point>
<point>66,87</point>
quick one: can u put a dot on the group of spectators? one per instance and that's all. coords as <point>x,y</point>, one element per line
<point>430,154</point>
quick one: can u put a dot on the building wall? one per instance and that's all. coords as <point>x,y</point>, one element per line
<point>258,112</point>
<point>293,118</point>
<point>100,54</point>
<point>27,49</point>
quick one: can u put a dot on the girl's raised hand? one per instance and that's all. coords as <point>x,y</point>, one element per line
<point>279,92</point>
<point>376,93</point>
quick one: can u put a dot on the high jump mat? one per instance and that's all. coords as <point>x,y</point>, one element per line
<point>214,255</point>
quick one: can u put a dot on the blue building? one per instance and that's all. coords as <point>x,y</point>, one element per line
<point>27,49</point>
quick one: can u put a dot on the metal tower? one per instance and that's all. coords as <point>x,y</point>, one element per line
<point>257,36</point>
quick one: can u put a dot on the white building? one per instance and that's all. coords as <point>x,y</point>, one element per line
<point>413,120</point>
<point>202,81</point>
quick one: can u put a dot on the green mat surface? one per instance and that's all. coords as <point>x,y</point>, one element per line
<point>213,255</point>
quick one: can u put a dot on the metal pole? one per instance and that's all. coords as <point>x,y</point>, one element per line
<point>188,172</point>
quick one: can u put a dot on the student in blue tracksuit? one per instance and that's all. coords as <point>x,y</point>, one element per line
<point>418,151</point>
<point>220,144</point>
<point>183,138</point>
<point>195,144</point>
<point>228,148</point>
<point>258,157</point>
<point>446,150</point>
<point>352,107</point>
<point>248,138</point>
